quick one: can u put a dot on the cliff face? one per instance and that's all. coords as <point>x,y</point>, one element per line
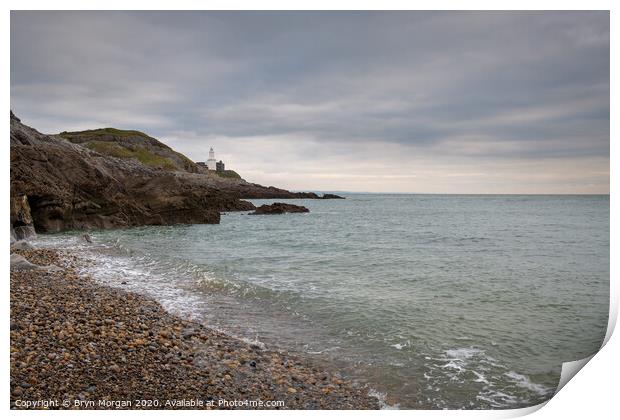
<point>59,185</point>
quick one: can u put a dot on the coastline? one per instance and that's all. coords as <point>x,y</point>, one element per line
<point>99,347</point>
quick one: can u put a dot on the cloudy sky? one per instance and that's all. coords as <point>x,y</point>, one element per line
<point>440,102</point>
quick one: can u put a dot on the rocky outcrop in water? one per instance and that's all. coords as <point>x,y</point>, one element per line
<point>280,208</point>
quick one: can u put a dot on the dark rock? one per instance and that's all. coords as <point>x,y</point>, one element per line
<point>280,208</point>
<point>20,210</point>
<point>21,217</point>
<point>331,196</point>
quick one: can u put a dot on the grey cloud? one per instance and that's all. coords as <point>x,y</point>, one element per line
<point>459,88</point>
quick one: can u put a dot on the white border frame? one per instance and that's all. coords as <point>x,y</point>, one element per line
<point>592,394</point>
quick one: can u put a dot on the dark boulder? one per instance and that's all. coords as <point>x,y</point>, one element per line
<point>21,219</point>
<point>280,208</point>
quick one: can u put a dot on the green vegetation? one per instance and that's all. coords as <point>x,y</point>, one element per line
<point>146,157</point>
<point>103,131</point>
<point>130,144</point>
<point>228,174</point>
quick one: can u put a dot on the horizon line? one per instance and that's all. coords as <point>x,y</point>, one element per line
<point>436,193</point>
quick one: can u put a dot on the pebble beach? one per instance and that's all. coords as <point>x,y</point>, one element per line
<point>76,344</point>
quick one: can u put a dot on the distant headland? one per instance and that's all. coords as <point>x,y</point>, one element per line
<point>107,177</point>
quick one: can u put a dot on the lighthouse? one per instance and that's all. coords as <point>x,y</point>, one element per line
<point>211,163</point>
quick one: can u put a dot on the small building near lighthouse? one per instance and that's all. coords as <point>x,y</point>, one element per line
<point>211,162</point>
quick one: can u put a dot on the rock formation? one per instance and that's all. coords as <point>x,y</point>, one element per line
<point>58,185</point>
<point>107,178</point>
<point>280,208</point>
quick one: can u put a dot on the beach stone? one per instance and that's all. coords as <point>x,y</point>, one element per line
<point>57,353</point>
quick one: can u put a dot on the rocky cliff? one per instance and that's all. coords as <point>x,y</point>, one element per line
<point>59,185</point>
<point>108,178</point>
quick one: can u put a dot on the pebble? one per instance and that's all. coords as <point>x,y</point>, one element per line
<point>91,342</point>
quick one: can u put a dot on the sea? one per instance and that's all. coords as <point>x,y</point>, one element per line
<point>431,301</point>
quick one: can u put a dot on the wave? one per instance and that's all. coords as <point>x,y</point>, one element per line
<point>497,385</point>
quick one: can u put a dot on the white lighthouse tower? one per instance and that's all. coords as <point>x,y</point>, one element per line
<point>211,163</point>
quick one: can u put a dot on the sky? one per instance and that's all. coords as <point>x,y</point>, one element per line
<point>411,102</point>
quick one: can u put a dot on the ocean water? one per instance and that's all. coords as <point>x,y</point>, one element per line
<point>434,301</point>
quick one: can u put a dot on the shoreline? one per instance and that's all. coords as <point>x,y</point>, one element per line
<point>91,346</point>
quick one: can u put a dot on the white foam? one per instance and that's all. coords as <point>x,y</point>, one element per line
<point>463,353</point>
<point>453,365</point>
<point>480,377</point>
<point>497,398</point>
<point>400,346</point>
<point>381,396</point>
<point>253,342</point>
<point>525,382</point>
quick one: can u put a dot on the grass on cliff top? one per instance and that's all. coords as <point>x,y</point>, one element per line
<point>102,131</point>
<point>228,174</point>
<point>119,151</point>
<point>144,156</point>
